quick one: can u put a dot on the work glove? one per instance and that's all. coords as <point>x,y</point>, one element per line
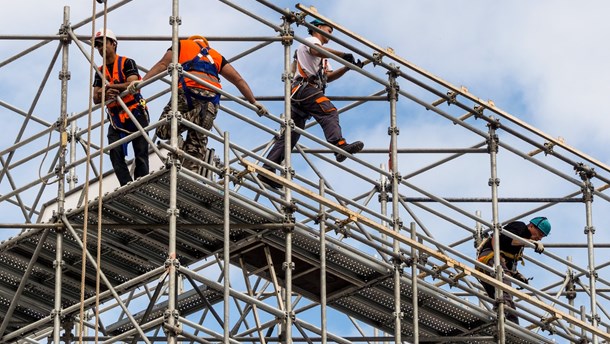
<point>261,109</point>
<point>518,276</point>
<point>349,58</point>
<point>538,247</point>
<point>132,88</point>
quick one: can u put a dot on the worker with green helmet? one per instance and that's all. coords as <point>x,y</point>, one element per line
<point>511,252</point>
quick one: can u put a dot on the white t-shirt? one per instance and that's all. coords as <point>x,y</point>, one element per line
<point>307,62</point>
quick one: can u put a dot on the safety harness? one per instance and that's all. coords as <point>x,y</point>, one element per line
<point>319,80</point>
<point>207,68</point>
<point>119,119</point>
<point>515,257</point>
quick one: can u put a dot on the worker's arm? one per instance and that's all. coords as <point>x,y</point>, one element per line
<point>336,74</point>
<point>123,86</point>
<point>97,95</point>
<point>160,66</point>
<point>229,73</point>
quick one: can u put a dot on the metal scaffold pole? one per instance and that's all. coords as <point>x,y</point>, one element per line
<point>64,76</point>
<point>586,173</point>
<point>171,314</point>
<point>396,221</point>
<point>494,182</point>
<point>289,220</point>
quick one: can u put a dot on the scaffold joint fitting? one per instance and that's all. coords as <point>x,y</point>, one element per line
<point>173,212</point>
<point>393,130</point>
<point>494,181</point>
<point>173,114</point>
<point>591,273</point>
<point>399,315</point>
<point>175,20</point>
<point>64,75</point>
<point>286,266</point>
<point>589,229</point>
<point>61,263</point>
<point>397,176</point>
<point>397,222</point>
<point>176,66</point>
<point>451,97</point>
<point>287,77</point>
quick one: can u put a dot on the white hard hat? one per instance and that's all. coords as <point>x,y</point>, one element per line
<point>109,34</point>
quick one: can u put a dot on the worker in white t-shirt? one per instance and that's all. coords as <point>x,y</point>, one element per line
<point>312,73</point>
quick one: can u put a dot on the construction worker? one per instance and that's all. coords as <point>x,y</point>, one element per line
<point>511,252</point>
<point>119,72</point>
<point>198,103</point>
<point>313,71</point>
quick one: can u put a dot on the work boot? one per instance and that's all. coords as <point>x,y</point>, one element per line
<point>351,148</point>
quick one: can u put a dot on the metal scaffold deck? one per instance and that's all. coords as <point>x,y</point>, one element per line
<point>357,284</point>
<point>368,250</point>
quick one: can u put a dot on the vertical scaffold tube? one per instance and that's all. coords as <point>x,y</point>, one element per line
<point>227,237</point>
<point>414,286</point>
<point>396,222</point>
<point>494,182</point>
<point>288,211</point>
<point>171,315</point>
<point>383,200</point>
<point>64,76</point>
<point>322,220</point>
<point>586,174</point>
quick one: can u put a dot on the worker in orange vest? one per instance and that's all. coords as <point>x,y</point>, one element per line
<point>119,72</point>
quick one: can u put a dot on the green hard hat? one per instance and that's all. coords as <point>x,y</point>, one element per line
<point>543,224</point>
<point>315,22</point>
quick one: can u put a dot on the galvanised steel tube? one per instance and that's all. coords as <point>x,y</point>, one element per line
<point>494,183</point>
<point>396,222</point>
<point>172,261</point>
<point>414,290</point>
<point>288,211</point>
<point>589,231</point>
<point>322,219</point>
<point>227,236</point>
<point>61,192</point>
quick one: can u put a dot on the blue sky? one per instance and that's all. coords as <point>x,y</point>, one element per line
<point>545,62</point>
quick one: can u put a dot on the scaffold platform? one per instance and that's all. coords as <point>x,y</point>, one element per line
<point>134,244</point>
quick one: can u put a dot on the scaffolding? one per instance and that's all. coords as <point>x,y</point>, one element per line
<point>177,256</point>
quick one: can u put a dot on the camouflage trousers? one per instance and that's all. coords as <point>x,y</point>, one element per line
<point>202,114</point>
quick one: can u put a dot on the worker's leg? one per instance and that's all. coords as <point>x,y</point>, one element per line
<point>196,142</point>
<point>164,130</point>
<point>506,297</point>
<point>117,157</point>
<point>140,148</point>
<point>276,154</point>
<point>325,113</point>
<point>313,102</point>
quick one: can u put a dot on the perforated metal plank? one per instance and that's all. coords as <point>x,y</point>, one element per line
<point>354,278</point>
<point>440,314</point>
<point>188,302</point>
<point>126,252</point>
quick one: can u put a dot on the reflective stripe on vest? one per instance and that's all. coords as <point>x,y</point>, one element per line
<point>118,116</point>
<point>203,62</point>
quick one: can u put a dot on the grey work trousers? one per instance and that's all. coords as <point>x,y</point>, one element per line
<point>308,101</point>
